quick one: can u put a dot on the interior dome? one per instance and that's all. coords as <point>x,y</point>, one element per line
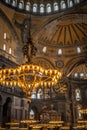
<point>67,31</point>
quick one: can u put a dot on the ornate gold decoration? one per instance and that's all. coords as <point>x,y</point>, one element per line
<point>29,77</point>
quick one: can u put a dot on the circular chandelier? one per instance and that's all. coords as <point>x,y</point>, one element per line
<point>29,76</point>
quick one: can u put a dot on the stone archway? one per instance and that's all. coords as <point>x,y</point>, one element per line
<point>6,115</point>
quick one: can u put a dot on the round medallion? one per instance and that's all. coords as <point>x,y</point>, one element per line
<point>59,64</point>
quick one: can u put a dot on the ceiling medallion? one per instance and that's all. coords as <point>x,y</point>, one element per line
<point>59,64</point>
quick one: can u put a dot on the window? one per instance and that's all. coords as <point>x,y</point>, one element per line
<point>77,1</point>
<point>32,114</point>
<point>81,75</point>
<point>59,51</point>
<point>70,3</point>
<point>33,96</point>
<point>27,7</point>
<point>48,8</point>
<point>41,8</point>
<point>76,75</point>
<point>63,5</point>
<point>79,114</point>
<point>7,1</point>
<point>13,3</point>
<point>21,4</point>
<point>34,8</point>
<point>44,49</point>
<point>56,6</point>
<point>39,94</point>
<point>10,51</point>
<point>78,50</point>
<point>4,47</point>
<point>78,94</point>
<point>4,36</point>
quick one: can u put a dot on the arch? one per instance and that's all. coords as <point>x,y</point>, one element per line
<point>21,4</point>
<point>7,1</point>
<point>14,3</point>
<point>35,8</point>
<point>62,4</point>
<point>27,6</point>
<point>78,94</point>
<point>39,94</point>
<point>73,63</point>
<point>41,8</point>
<point>70,3</point>
<point>32,114</point>
<point>35,111</point>
<point>55,5</point>
<point>77,1</point>
<point>48,8</point>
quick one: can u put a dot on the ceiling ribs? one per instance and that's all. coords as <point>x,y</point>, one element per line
<point>55,33</point>
<point>81,30</point>
<point>70,34</point>
<point>76,32</point>
<point>59,34</point>
<point>65,35</point>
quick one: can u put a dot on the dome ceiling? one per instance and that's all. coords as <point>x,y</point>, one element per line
<point>39,7</point>
<point>63,32</point>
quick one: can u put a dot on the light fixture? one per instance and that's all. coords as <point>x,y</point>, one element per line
<point>29,76</point>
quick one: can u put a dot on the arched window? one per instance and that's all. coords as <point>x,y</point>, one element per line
<point>34,8</point>
<point>55,6</point>
<point>78,94</point>
<point>78,50</point>
<point>5,35</point>
<point>27,6</point>
<point>44,49</point>
<point>10,51</point>
<point>13,3</point>
<point>41,8</point>
<point>70,3</point>
<point>31,114</point>
<point>59,51</point>
<point>21,4</point>
<point>79,113</point>
<point>48,8</point>
<point>81,75</point>
<point>7,1</point>
<point>76,75</point>
<point>63,5</point>
<point>77,1</point>
<point>39,94</point>
<point>4,47</point>
<point>33,96</point>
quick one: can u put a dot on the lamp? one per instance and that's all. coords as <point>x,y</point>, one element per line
<point>29,76</point>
